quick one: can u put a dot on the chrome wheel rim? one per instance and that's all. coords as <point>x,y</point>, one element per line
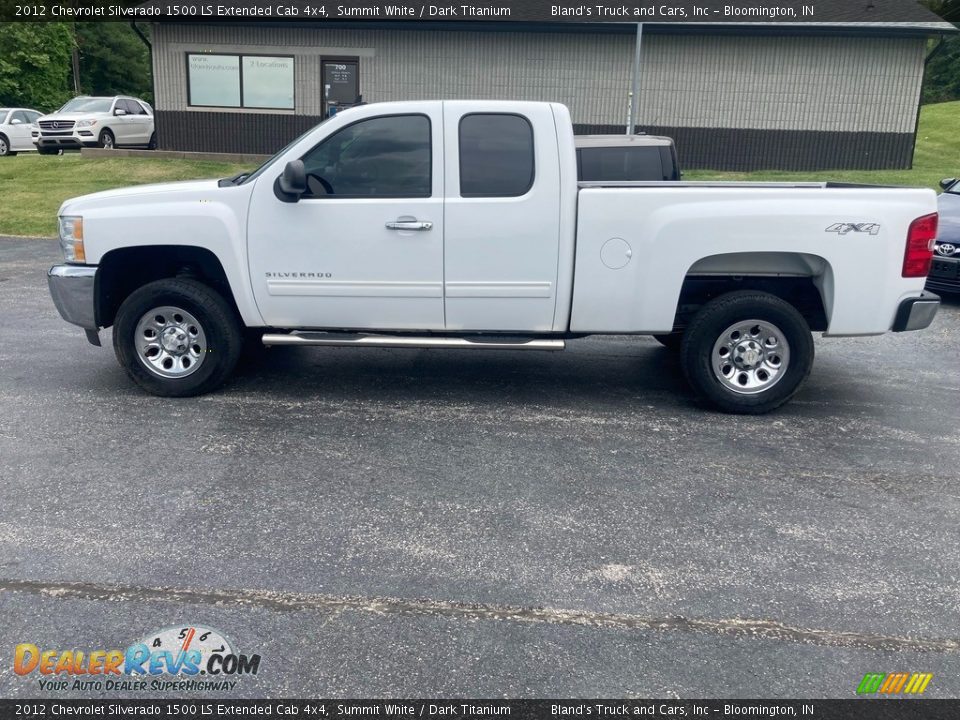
<point>107,141</point>
<point>170,342</point>
<point>750,356</point>
<point>3,147</point>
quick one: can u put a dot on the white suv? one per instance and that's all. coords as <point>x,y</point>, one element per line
<point>105,122</point>
<point>16,128</point>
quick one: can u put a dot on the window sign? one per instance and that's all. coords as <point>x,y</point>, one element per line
<point>268,82</point>
<point>235,81</point>
<point>340,82</point>
<point>214,80</point>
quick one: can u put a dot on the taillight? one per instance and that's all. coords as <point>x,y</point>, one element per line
<point>919,252</point>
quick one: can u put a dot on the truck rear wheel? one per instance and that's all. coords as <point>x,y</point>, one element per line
<point>177,338</point>
<point>747,352</point>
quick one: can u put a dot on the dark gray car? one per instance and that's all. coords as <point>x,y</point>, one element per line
<point>945,268</point>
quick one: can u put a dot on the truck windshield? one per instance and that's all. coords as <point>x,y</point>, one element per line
<point>88,105</point>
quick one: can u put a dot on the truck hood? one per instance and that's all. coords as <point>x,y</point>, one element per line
<point>77,205</point>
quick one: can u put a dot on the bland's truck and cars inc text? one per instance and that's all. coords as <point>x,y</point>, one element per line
<point>461,224</point>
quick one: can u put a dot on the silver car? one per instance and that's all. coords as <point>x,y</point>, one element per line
<point>105,122</point>
<point>16,128</point>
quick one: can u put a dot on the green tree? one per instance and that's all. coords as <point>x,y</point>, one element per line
<point>113,60</point>
<point>949,10</point>
<point>35,64</point>
<point>941,81</point>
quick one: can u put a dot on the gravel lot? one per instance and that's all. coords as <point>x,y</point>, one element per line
<point>453,523</point>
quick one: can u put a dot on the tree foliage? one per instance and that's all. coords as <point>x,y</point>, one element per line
<point>113,60</point>
<point>942,79</point>
<point>35,64</point>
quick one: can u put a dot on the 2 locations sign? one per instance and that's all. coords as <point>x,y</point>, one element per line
<point>515,10</point>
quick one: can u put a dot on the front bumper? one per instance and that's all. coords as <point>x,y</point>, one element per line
<point>70,141</point>
<point>73,289</point>
<point>916,313</point>
<point>944,274</point>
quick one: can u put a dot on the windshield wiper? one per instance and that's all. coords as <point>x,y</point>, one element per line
<point>235,180</point>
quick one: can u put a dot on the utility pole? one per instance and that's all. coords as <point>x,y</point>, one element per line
<point>633,118</point>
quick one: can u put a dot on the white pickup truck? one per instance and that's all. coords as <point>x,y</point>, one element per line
<point>461,224</point>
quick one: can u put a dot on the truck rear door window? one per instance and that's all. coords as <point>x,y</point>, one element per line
<point>599,164</point>
<point>496,155</point>
<point>385,157</point>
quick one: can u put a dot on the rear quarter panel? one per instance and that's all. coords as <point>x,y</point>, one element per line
<point>670,228</point>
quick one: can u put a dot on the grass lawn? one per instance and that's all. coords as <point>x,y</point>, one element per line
<point>32,187</point>
<point>937,156</point>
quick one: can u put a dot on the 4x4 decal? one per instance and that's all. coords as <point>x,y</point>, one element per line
<point>844,228</point>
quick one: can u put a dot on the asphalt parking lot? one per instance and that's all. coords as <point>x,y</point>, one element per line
<point>436,523</point>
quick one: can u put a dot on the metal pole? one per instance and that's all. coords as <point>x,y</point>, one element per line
<point>635,92</point>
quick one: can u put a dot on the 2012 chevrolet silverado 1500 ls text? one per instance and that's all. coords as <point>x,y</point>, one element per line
<point>462,225</point>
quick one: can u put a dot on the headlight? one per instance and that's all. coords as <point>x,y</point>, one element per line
<point>86,123</point>
<point>71,238</point>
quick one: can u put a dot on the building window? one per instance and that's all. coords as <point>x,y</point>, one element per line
<point>240,81</point>
<point>496,155</point>
<point>387,157</point>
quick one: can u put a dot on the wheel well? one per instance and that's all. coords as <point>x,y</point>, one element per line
<point>802,292</point>
<point>123,271</point>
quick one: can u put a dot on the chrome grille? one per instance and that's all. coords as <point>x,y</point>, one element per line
<point>56,124</point>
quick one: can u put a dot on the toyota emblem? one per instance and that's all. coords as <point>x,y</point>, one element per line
<point>946,249</point>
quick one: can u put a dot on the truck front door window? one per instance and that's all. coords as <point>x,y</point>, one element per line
<point>380,157</point>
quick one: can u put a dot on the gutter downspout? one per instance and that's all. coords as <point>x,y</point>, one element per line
<point>139,32</point>
<point>635,91</point>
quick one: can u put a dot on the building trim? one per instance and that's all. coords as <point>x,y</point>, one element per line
<point>749,149</point>
<point>730,149</point>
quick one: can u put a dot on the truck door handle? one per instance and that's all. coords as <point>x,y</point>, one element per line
<point>409,225</point>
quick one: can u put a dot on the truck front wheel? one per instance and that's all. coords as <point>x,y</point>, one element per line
<point>177,338</point>
<point>747,352</point>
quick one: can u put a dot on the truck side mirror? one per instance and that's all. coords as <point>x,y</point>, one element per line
<point>16,121</point>
<point>119,112</point>
<point>947,182</point>
<point>292,183</point>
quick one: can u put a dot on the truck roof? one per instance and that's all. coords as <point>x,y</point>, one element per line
<point>622,141</point>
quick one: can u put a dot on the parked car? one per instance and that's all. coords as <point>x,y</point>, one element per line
<point>945,269</point>
<point>606,158</point>
<point>460,224</point>
<point>16,126</point>
<point>105,122</point>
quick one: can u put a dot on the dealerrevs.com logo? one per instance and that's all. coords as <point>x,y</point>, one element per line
<point>175,659</point>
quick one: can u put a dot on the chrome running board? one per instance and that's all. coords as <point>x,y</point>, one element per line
<point>409,341</point>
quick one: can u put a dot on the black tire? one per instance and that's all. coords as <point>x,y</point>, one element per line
<point>47,150</point>
<point>671,342</point>
<point>711,323</point>
<point>217,319</point>
<point>107,140</point>
<point>152,145</point>
<point>5,147</point>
